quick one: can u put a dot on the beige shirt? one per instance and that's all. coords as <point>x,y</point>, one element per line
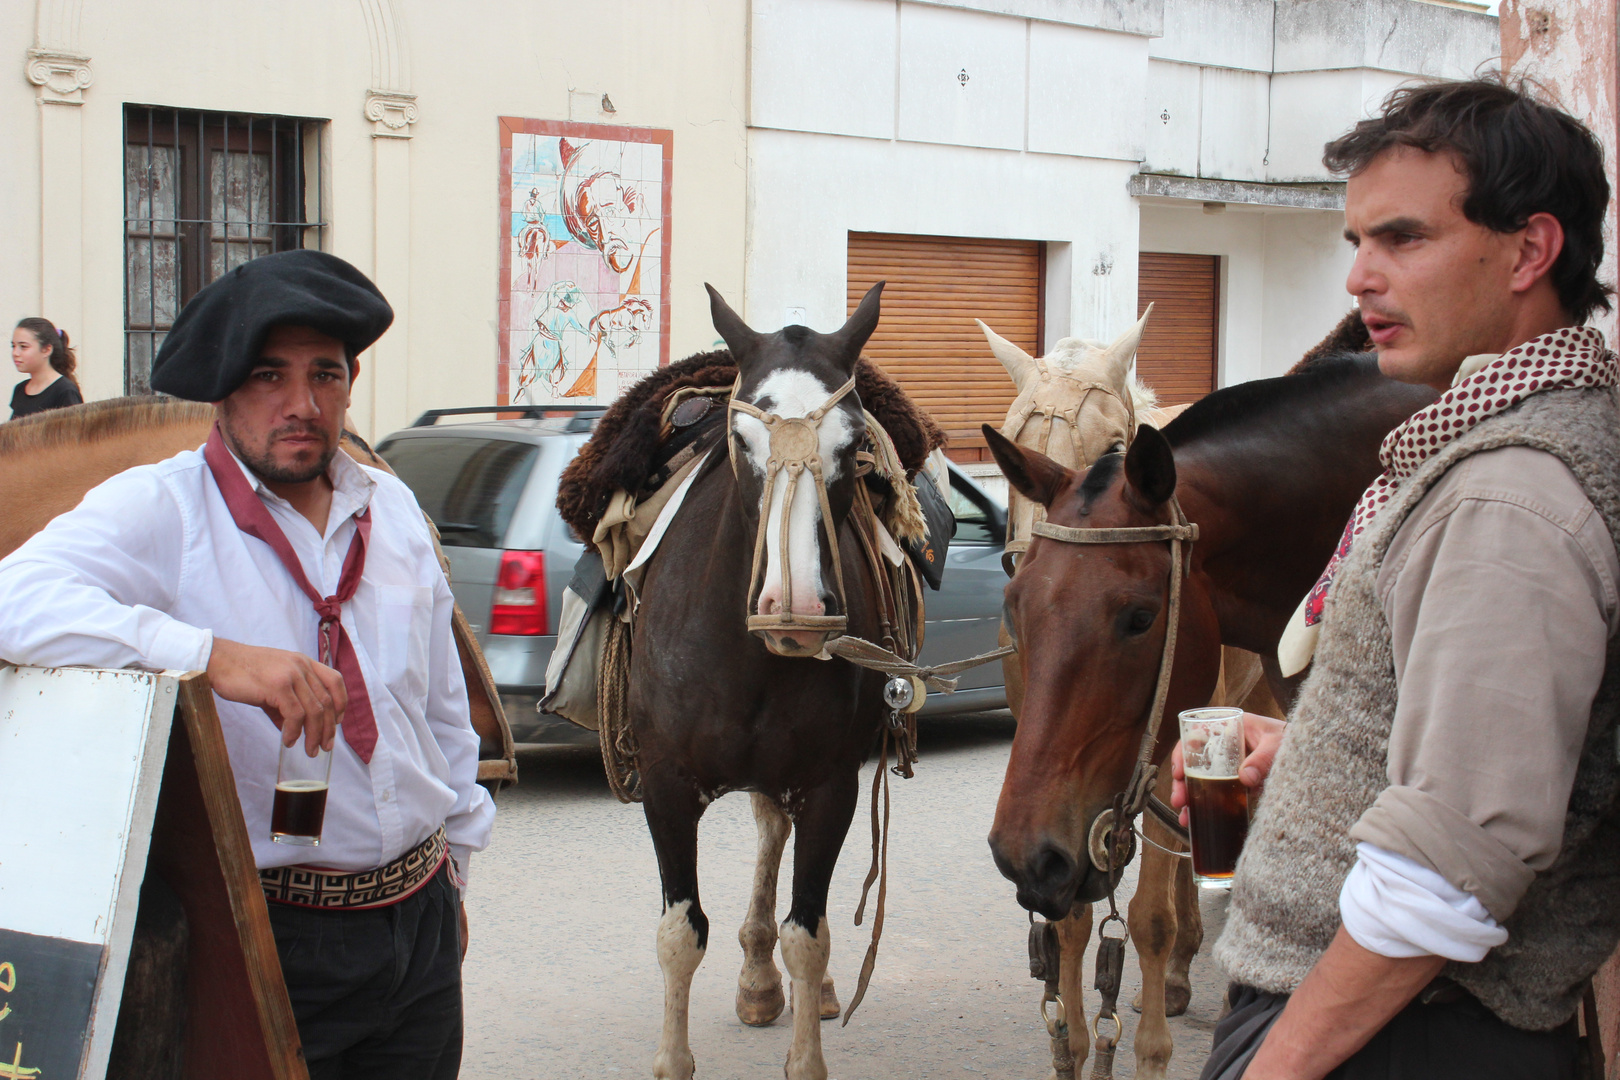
<point>1500,591</point>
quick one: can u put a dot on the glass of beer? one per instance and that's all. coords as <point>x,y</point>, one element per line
<point>1212,749</point>
<point>300,805</point>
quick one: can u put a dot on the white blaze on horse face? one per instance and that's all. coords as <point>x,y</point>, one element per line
<point>794,393</point>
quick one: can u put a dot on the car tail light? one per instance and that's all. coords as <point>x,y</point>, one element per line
<point>520,594</point>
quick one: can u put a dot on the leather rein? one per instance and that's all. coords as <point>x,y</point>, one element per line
<point>1109,840</point>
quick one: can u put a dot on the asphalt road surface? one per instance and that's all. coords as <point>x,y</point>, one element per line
<point>562,979</point>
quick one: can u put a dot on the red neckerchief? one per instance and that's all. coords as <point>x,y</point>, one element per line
<point>1564,359</point>
<point>248,511</point>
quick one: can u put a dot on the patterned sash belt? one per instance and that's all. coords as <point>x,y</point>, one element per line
<point>318,887</point>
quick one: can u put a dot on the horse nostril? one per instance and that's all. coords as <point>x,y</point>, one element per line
<point>1050,867</point>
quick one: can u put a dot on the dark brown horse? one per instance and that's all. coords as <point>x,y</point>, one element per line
<point>718,708</point>
<point>1269,471</point>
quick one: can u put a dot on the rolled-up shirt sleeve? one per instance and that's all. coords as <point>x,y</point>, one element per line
<point>89,589</point>
<point>1500,594</point>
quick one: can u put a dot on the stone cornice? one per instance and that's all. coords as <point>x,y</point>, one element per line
<point>60,77</point>
<point>391,113</point>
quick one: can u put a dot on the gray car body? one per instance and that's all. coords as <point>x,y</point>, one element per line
<point>962,617</point>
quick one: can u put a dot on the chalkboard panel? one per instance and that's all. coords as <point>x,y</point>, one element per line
<point>47,995</point>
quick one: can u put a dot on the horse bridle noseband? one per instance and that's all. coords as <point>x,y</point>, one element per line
<point>1110,840</point>
<point>795,444</point>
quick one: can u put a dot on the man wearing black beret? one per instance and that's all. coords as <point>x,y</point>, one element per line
<point>308,587</point>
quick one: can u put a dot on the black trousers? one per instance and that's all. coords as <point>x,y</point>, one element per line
<point>1455,1039</point>
<point>377,993</point>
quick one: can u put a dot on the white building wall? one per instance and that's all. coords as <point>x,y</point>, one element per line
<point>1004,127</point>
<point>420,214</point>
<point>1282,278</point>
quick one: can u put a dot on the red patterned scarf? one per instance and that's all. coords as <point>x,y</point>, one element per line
<point>1570,358</point>
<point>334,647</point>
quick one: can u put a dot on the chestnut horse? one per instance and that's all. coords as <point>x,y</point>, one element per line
<point>725,691</point>
<point>1075,404</point>
<point>49,460</point>
<point>1269,471</point>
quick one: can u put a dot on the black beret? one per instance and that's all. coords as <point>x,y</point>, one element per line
<point>217,339</point>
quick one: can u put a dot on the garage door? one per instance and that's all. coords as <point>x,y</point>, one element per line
<point>1177,354</point>
<point>926,339</point>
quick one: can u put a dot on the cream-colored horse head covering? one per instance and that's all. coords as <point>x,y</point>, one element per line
<point>1075,404</point>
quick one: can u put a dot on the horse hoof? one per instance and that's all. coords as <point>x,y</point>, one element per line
<point>757,1008</point>
<point>830,1009</point>
<point>673,1066</point>
<point>1176,999</point>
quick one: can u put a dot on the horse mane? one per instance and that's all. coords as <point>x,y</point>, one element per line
<point>621,450</point>
<point>1143,396</point>
<point>98,421</point>
<point>1350,336</point>
<point>1253,403</point>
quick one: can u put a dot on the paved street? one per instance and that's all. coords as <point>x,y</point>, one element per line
<point>562,980</point>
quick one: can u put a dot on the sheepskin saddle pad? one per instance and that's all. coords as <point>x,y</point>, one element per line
<point>634,442</point>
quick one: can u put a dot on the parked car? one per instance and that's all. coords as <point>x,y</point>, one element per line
<point>491,488</point>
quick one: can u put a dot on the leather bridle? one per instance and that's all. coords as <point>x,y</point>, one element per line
<point>1110,838</point>
<point>795,448</point>
<point>1027,407</point>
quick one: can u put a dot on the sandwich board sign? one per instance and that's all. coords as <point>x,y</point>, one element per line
<point>105,776</point>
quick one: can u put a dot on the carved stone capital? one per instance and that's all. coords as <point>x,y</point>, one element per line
<point>391,113</point>
<point>61,77</point>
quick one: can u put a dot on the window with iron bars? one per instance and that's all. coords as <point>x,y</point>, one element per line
<point>205,192</point>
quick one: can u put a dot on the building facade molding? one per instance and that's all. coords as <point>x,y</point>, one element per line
<point>60,77</point>
<point>391,113</point>
<point>390,59</point>
<point>1240,192</point>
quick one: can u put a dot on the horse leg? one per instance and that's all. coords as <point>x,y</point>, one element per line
<point>823,821</point>
<point>759,987</point>
<point>1189,938</point>
<point>1152,920</point>
<point>1074,934</point>
<point>673,807</point>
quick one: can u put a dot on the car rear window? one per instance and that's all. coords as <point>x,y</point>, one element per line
<point>468,486</point>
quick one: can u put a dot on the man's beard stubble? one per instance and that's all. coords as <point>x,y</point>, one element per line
<point>266,469</point>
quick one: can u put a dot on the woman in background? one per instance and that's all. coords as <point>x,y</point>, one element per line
<point>41,352</point>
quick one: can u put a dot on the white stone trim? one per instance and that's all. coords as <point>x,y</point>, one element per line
<point>61,77</point>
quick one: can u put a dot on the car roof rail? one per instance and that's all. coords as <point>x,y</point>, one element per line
<point>581,417</point>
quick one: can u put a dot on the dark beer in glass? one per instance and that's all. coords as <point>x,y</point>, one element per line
<point>299,810</point>
<point>300,806</point>
<point>1212,749</point>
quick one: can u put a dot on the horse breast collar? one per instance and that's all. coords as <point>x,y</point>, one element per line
<point>795,445</point>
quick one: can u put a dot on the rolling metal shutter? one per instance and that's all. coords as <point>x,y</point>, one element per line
<point>926,339</point>
<point>1177,354</point>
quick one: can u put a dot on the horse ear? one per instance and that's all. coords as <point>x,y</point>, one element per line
<point>852,336</point>
<point>736,333</point>
<point>1033,474</point>
<point>1019,364</point>
<point>1121,352</point>
<point>1150,466</point>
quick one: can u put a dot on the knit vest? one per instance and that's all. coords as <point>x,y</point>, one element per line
<point>1334,764</point>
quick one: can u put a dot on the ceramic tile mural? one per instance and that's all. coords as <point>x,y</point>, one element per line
<point>584,260</point>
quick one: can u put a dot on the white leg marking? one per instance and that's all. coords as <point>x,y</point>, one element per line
<point>806,960</point>
<point>679,956</point>
<point>759,987</point>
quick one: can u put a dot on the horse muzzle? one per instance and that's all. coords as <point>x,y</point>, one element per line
<point>1050,879</point>
<point>797,636</point>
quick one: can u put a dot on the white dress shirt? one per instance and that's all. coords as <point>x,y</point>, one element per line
<point>150,566</point>
<point>1395,906</point>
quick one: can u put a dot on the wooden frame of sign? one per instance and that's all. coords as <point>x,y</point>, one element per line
<point>116,784</point>
<point>240,1022</point>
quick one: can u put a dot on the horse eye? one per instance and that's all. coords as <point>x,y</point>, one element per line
<point>1136,621</point>
<point>1116,448</point>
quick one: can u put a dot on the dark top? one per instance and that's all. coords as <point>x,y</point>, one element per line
<point>60,393</point>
